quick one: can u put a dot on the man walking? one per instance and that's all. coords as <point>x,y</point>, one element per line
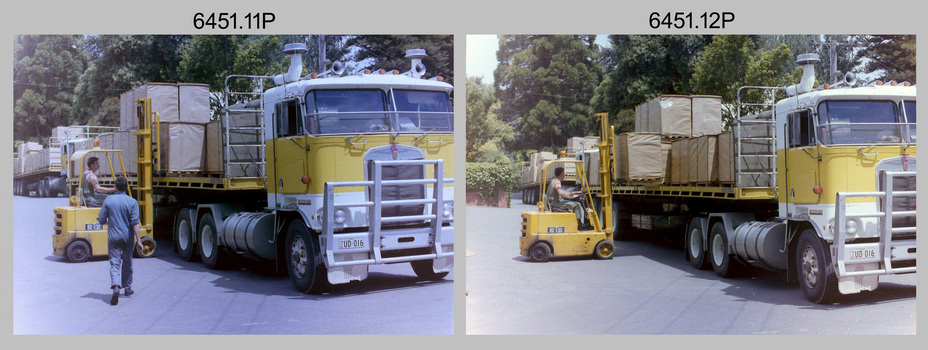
<point>121,212</point>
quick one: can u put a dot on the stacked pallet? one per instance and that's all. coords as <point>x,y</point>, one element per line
<point>579,144</point>
<point>682,146</point>
<point>184,112</point>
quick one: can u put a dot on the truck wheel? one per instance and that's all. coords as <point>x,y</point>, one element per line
<point>722,262</point>
<point>604,250</point>
<point>818,285</point>
<point>304,260</point>
<point>183,236</point>
<point>539,252</point>
<point>423,269</point>
<point>696,245</point>
<point>78,251</point>
<point>209,242</point>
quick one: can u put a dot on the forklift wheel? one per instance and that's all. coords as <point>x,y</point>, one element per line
<point>604,250</point>
<point>148,248</point>
<point>540,252</point>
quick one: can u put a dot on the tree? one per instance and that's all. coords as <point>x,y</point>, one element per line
<point>122,62</point>
<point>389,52</point>
<point>642,67</point>
<point>731,62</point>
<point>46,68</point>
<point>486,134</point>
<point>892,56</point>
<point>545,83</point>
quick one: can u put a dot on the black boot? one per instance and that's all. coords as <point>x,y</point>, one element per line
<point>115,299</point>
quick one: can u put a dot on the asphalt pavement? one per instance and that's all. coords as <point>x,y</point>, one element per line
<point>53,296</point>
<point>649,288</point>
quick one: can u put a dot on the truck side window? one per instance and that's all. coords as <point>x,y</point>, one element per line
<point>289,119</point>
<point>800,129</point>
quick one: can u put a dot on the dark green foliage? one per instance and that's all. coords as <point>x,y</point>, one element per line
<point>488,179</point>
<point>892,55</point>
<point>45,71</point>
<point>389,52</point>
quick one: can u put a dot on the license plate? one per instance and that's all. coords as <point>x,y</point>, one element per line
<point>350,243</point>
<point>559,229</point>
<point>93,227</point>
<point>862,253</point>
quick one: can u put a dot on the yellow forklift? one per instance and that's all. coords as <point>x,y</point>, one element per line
<point>78,236</point>
<point>547,233</point>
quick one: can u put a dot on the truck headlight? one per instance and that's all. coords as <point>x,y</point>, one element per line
<point>341,216</point>
<point>852,226</point>
<point>447,209</point>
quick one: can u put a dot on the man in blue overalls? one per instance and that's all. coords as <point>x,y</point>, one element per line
<point>121,212</point>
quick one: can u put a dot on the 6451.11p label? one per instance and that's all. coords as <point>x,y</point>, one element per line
<point>232,20</point>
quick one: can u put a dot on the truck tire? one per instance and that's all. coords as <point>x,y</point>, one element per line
<point>818,285</point>
<point>696,245</point>
<point>183,236</point>
<point>423,269</point>
<point>604,250</point>
<point>720,255</point>
<point>304,260</point>
<point>209,243</point>
<point>78,251</point>
<point>539,252</point>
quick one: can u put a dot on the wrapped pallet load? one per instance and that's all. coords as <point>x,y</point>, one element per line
<point>182,147</point>
<point>579,144</point>
<point>193,103</point>
<point>592,166</point>
<point>707,115</point>
<point>163,101</point>
<point>726,164</point>
<point>670,115</point>
<point>129,146</point>
<point>638,157</point>
<point>641,117</point>
<point>703,159</point>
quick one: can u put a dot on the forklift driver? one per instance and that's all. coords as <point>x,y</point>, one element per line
<point>561,199</point>
<point>93,193</point>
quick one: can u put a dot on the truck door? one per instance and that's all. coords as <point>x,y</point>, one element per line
<point>802,160</point>
<point>288,151</point>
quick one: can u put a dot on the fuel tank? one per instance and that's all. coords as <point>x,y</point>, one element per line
<point>251,234</point>
<point>762,244</point>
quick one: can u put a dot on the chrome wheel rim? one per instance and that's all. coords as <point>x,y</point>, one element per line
<point>183,235</point>
<point>809,267</point>
<point>298,256</point>
<point>695,243</point>
<point>717,250</point>
<point>206,240</point>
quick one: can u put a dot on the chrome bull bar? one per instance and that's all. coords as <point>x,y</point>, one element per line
<point>376,233</point>
<point>886,250</point>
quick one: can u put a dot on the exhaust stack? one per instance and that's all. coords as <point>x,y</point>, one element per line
<point>296,51</point>
<point>418,69</point>
<point>808,62</point>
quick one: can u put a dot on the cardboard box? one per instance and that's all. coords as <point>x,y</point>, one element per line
<point>183,147</point>
<point>193,103</point>
<point>726,158</point>
<point>704,159</point>
<point>244,151</point>
<point>592,167</point>
<point>641,118</point>
<point>666,145</point>
<point>638,157</point>
<point>670,115</point>
<point>707,115</point>
<point>579,144</point>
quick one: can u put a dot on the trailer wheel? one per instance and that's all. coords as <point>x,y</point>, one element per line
<point>183,236</point>
<point>722,262</point>
<point>304,260</point>
<point>818,285</point>
<point>209,243</point>
<point>539,252</point>
<point>42,189</point>
<point>696,245</point>
<point>78,251</point>
<point>423,269</point>
<point>604,250</point>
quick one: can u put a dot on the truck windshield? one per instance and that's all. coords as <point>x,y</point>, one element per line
<point>419,111</point>
<point>366,111</point>
<point>346,111</point>
<point>860,122</point>
<point>909,108</point>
